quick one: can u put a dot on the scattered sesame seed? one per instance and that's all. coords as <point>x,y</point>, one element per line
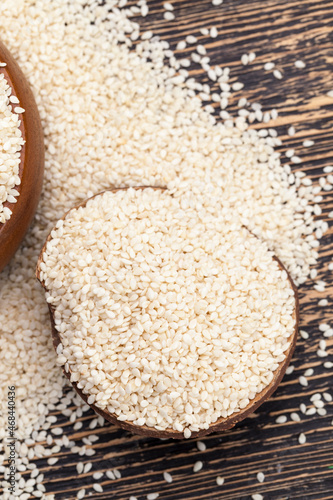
<point>311,411</point>
<point>277,73</point>
<point>300,64</point>
<point>309,372</point>
<point>98,475</point>
<point>295,417</point>
<point>303,381</point>
<point>213,32</point>
<point>191,39</point>
<point>52,460</point>
<point>257,496</point>
<point>281,419</point>
<point>168,6</point>
<point>98,487</point>
<point>197,466</point>
<point>181,45</point>
<point>169,16</point>
<point>167,477</point>
<point>80,494</point>
<point>268,66</point>
<point>245,59</point>
<point>217,2</point>
<point>219,480</point>
<point>153,496</point>
<point>79,467</point>
<point>261,477</point>
<point>87,467</point>
<point>290,369</point>
<point>201,446</point>
<point>308,143</point>
<point>302,438</point>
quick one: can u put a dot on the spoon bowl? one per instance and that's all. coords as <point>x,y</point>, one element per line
<point>221,424</point>
<point>31,161</point>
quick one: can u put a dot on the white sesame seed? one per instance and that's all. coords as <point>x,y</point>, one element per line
<point>261,477</point>
<point>290,369</point>
<point>311,411</point>
<point>197,466</point>
<point>308,143</point>
<point>152,496</point>
<point>302,438</point>
<point>169,16</point>
<point>80,494</point>
<point>168,6</point>
<point>277,73</point>
<point>181,45</point>
<point>219,480</point>
<point>98,487</point>
<point>309,372</point>
<point>295,417</point>
<point>303,381</point>
<point>281,419</point>
<point>97,475</point>
<point>268,66</point>
<point>87,467</point>
<point>201,446</point>
<point>167,477</point>
<point>327,396</point>
<point>213,32</point>
<point>217,2</point>
<point>300,64</point>
<point>257,496</point>
<point>245,59</point>
<point>187,433</point>
<point>191,39</point>
<point>52,460</point>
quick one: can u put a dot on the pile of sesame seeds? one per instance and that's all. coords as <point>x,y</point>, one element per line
<point>157,300</point>
<point>11,143</point>
<point>109,130</point>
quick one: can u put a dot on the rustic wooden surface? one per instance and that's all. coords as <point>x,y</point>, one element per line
<point>281,31</point>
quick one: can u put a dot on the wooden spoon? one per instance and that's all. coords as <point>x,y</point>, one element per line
<point>221,424</point>
<point>32,161</point>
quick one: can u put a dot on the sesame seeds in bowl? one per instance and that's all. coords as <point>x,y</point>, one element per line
<point>21,156</point>
<point>168,320</point>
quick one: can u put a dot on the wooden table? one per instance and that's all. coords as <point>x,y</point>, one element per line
<point>281,31</point>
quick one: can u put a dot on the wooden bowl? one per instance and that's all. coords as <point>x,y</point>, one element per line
<point>221,424</point>
<point>31,165</point>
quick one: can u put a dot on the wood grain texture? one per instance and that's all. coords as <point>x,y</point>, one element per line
<point>32,161</point>
<point>281,31</point>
